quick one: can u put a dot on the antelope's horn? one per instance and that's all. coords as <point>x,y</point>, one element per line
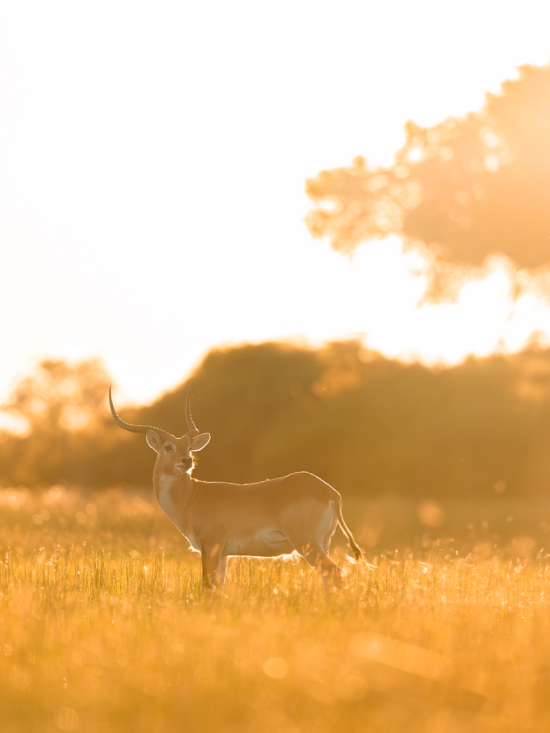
<point>193,430</point>
<point>133,428</point>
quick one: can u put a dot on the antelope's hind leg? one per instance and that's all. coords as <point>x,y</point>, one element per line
<point>330,573</point>
<point>221,571</point>
<point>319,528</point>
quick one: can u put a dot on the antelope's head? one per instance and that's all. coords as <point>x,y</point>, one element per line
<point>175,455</point>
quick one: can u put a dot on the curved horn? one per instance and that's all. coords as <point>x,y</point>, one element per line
<point>133,428</point>
<point>193,430</point>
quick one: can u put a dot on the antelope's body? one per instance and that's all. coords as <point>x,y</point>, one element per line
<point>299,512</point>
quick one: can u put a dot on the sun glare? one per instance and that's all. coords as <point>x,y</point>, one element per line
<point>385,292</point>
<point>188,188</point>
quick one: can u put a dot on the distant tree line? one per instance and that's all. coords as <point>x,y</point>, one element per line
<point>366,424</point>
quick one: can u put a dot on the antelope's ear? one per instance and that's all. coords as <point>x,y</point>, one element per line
<point>154,441</point>
<point>200,442</point>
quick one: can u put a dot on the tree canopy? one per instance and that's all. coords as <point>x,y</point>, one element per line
<point>62,407</point>
<point>366,424</point>
<point>465,189</point>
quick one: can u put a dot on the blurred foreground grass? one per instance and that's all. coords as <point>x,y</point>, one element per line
<point>103,625</point>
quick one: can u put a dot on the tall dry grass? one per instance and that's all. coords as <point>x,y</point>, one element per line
<point>104,627</point>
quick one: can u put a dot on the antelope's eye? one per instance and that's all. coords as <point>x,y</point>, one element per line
<point>169,447</point>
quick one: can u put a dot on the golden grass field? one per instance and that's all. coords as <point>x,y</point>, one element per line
<point>104,628</point>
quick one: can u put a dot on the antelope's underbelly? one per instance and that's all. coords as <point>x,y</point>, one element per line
<point>265,542</point>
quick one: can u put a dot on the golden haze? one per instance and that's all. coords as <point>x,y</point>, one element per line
<point>104,627</point>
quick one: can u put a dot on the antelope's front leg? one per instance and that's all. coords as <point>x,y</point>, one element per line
<point>213,567</point>
<point>221,571</point>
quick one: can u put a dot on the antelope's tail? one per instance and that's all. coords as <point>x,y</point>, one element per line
<point>357,551</point>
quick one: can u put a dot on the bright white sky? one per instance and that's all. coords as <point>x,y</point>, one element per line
<point>152,165</point>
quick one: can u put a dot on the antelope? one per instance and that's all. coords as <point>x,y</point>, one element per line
<point>270,518</point>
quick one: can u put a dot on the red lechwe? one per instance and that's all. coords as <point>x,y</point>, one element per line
<point>269,518</point>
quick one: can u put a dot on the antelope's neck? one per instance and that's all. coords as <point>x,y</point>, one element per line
<point>174,494</point>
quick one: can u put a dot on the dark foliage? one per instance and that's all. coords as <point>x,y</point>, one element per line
<point>366,424</point>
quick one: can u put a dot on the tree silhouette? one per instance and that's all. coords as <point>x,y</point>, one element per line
<point>366,424</point>
<point>465,189</point>
<point>62,406</point>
